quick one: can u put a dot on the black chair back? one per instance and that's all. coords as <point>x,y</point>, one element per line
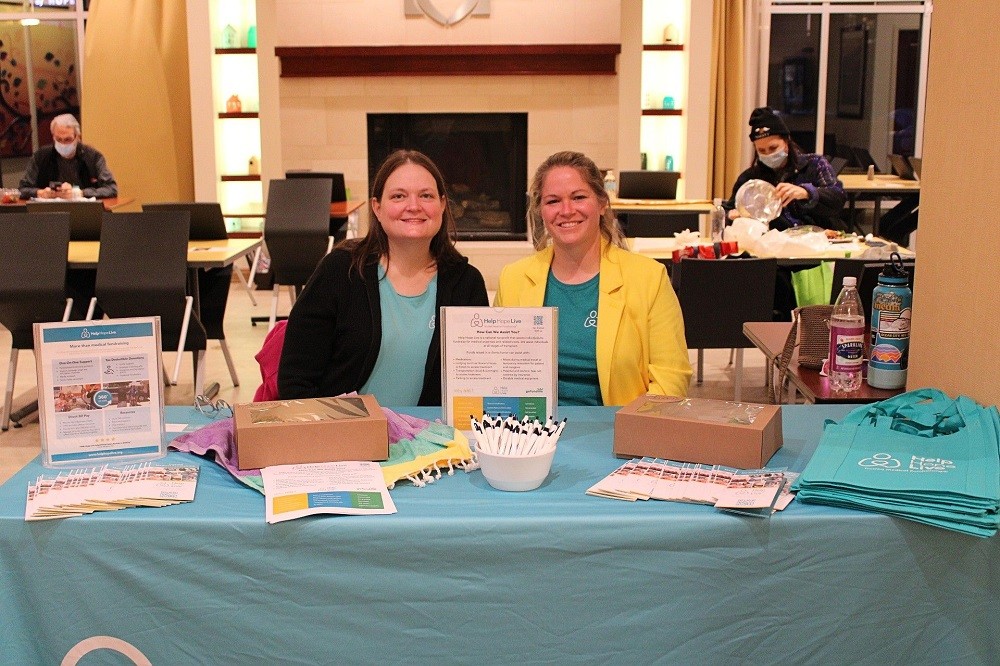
<point>338,193</point>
<point>296,227</point>
<point>338,188</point>
<point>207,222</point>
<point>85,217</point>
<point>33,255</point>
<point>718,295</point>
<point>142,272</point>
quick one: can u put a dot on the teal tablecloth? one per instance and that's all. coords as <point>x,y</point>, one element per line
<point>465,573</point>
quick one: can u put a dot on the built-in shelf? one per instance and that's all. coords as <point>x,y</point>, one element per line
<point>239,177</point>
<point>450,60</point>
<point>242,114</point>
<point>662,47</point>
<point>236,51</point>
<point>661,112</point>
<point>244,234</point>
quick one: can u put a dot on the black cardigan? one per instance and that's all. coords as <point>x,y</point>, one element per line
<point>335,328</point>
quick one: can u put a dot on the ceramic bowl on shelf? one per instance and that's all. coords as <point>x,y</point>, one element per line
<point>515,473</point>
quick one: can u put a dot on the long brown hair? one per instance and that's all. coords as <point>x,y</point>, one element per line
<point>375,242</point>
<point>592,176</point>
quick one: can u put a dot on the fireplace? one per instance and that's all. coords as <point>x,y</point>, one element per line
<point>483,157</point>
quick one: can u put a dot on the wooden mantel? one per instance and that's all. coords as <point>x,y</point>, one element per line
<point>459,60</point>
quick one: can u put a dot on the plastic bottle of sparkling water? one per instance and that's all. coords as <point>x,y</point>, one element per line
<point>847,339</point>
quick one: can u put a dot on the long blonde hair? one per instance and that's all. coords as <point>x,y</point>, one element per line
<point>591,175</point>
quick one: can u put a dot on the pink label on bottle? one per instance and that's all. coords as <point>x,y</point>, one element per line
<point>847,348</point>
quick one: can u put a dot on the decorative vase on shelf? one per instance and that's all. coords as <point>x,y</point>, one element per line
<point>252,37</point>
<point>230,38</point>
<point>253,166</point>
<point>670,34</point>
<point>234,105</point>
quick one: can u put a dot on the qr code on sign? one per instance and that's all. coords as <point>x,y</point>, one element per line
<point>538,320</point>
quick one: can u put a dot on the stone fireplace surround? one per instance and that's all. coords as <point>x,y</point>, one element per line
<point>324,114</point>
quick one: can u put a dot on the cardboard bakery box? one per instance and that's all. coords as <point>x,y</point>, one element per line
<point>312,430</point>
<point>698,430</point>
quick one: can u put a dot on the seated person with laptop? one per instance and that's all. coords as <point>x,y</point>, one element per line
<point>55,171</point>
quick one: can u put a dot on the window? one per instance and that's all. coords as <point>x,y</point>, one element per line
<point>848,75</point>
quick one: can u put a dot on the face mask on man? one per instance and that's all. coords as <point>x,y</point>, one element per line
<point>775,159</point>
<point>67,150</point>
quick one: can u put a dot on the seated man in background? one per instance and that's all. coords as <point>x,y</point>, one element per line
<point>54,171</point>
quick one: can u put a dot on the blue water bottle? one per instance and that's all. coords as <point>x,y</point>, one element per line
<point>890,331</point>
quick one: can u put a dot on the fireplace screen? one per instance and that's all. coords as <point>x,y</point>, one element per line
<point>483,157</point>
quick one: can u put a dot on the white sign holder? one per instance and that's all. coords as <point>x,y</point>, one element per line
<point>498,361</point>
<point>100,391</point>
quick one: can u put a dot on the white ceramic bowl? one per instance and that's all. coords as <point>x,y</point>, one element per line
<point>515,473</point>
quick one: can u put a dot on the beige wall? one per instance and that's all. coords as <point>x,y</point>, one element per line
<point>956,307</point>
<point>137,105</point>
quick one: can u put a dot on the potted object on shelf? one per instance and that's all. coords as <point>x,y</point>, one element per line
<point>230,38</point>
<point>234,105</point>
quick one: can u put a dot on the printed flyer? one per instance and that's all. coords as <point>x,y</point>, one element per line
<point>99,390</point>
<point>345,488</point>
<point>499,361</point>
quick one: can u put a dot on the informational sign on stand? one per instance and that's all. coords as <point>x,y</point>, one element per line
<point>100,395</point>
<point>498,361</point>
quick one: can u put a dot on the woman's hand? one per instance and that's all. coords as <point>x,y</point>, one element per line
<point>789,193</point>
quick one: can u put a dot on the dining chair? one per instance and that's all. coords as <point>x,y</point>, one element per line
<point>130,243</point>
<point>296,233</point>
<point>717,296</point>
<point>207,223</point>
<point>85,220</point>
<point>33,257</point>
<point>338,192</point>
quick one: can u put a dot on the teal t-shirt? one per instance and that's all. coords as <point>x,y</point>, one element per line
<point>407,326</point>
<point>577,303</point>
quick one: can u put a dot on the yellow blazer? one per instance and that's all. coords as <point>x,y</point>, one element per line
<point>640,328</point>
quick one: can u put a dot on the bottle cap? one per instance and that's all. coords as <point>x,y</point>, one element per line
<point>850,281</point>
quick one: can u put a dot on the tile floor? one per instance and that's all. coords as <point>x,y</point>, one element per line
<point>19,445</point>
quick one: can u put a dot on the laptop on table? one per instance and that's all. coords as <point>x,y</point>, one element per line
<point>901,165</point>
<point>648,184</point>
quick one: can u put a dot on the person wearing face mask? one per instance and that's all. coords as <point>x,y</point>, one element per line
<point>810,192</point>
<point>54,171</point>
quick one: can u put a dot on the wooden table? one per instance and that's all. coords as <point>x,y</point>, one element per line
<point>201,254</point>
<point>346,209</point>
<point>879,187</point>
<point>769,337</point>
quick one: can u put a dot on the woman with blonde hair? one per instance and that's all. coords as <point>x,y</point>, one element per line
<point>621,331</point>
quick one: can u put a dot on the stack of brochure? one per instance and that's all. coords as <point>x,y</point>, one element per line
<point>756,492</point>
<point>75,492</point>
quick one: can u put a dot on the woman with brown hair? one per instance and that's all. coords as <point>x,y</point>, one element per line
<point>366,320</point>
